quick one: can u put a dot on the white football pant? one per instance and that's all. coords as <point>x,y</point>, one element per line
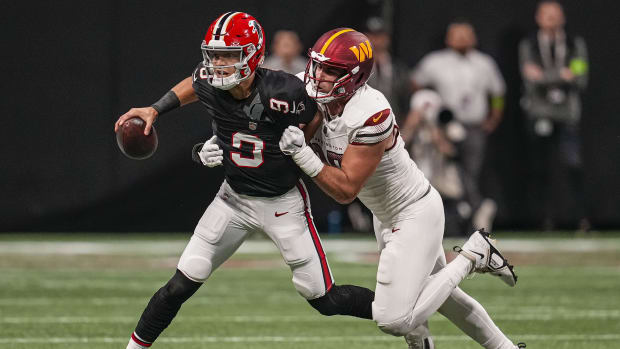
<point>286,219</point>
<point>414,281</point>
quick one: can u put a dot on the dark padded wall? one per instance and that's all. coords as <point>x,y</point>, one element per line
<point>70,68</point>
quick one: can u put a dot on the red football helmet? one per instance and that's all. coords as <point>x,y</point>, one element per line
<point>345,49</point>
<point>234,32</point>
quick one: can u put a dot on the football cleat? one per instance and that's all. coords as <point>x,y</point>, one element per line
<point>415,342</point>
<point>520,345</point>
<point>481,250</point>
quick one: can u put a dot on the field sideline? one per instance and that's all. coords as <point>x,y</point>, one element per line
<point>88,290</point>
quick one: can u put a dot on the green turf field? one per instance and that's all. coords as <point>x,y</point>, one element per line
<point>87,291</point>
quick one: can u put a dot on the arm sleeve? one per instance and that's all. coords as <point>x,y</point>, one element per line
<point>579,64</point>
<point>376,129</point>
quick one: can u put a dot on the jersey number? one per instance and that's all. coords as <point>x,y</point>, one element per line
<point>257,153</point>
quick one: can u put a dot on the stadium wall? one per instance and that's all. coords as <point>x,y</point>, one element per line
<point>70,68</point>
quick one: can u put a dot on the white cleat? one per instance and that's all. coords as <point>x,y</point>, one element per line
<point>416,342</point>
<point>481,250</point>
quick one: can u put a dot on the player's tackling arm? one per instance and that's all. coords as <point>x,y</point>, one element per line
<point>359,162</point>
<point>180,95</point>
<point>343,184</point>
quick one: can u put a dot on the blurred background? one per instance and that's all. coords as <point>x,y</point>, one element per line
<point>71,68</point>
<point>510,112</point>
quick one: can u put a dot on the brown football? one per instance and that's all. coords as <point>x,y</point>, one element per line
<point>132,141</point>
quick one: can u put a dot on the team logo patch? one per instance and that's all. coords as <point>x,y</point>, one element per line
<point>298,108</point>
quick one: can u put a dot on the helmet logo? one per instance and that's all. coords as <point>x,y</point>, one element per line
<point>256,29</point>
<point>363,51</point>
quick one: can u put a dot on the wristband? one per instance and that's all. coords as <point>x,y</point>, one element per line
<point>308,161</point>
<point>168,102</point>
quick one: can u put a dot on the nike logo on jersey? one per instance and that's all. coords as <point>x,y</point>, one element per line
<point>280,214</point>
<point>395,230</point>
<point>377,118</point>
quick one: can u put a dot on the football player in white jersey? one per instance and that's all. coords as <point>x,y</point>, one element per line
<point>357,152</point>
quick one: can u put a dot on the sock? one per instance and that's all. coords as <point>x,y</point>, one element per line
<point>136,342</point>
<point>345,300</point>
<point>438,288</point>
<point>469,315</point>
<point>163,307</point>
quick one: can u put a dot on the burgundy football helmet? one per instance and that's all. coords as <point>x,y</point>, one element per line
<point>234,32</point>
<point>345,49</point>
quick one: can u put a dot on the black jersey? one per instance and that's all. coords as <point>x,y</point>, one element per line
<point>249,130</point>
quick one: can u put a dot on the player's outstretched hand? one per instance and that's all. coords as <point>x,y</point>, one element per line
<point>211,154</point>
<point>148,114</point>
<point>292,141</point>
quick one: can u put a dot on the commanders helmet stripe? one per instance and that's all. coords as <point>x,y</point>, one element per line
<point>218,25</point>
<point>329,41</point>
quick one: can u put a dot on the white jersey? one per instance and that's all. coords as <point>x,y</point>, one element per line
<point>368,119</point>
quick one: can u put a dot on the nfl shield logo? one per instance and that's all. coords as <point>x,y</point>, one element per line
<point>252,125</point>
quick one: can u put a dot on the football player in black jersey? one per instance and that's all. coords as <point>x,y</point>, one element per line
<point>250,107</point>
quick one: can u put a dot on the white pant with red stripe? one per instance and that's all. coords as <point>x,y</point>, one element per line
<point>286,219</point>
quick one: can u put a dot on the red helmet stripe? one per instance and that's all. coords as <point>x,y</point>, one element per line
<point>335,35</point>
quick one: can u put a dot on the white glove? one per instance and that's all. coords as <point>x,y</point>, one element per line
<point>211,154</point>
<point>293,143</point>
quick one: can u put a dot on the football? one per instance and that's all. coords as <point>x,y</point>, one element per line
<point>132,141</point>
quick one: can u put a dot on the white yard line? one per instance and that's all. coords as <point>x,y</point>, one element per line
<point>283,339</point>
<point>553,315</point>
<point>335,246</point>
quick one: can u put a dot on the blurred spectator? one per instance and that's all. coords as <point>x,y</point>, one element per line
<point>465,78</point>
<point>554,66</point>
<point>286,53</point>
<point>389,74</point>
<point>431,135</point>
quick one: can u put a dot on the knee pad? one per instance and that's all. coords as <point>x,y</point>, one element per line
<point>399,327</point>
<point>308,286</point>
<point>195,268</point>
